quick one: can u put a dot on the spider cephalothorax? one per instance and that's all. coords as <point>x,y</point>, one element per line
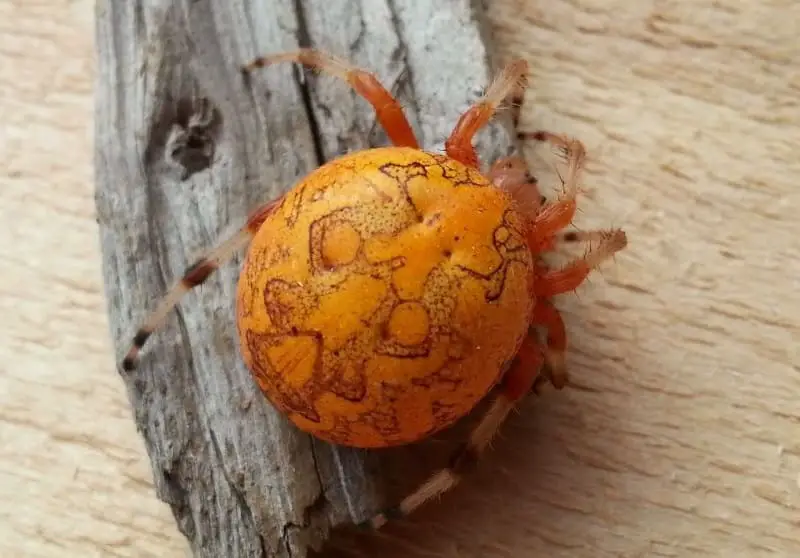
<point>390,290</point>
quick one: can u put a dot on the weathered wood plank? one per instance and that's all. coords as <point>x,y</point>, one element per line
<point>185,149</point>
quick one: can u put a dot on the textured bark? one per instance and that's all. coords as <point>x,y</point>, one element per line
<point>185,149</point>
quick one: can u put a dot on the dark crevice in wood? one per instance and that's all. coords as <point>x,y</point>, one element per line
<point>402,52</point>
<point>304,41</point>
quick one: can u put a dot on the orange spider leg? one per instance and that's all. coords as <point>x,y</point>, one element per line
<point>387,109</point>
<point>547,283</point>
<point>194,276</point>
<point>556,215</point>
<point>516,383</point>
<point>510,84</point>
<point>553,282</point>
<point>548,316</point>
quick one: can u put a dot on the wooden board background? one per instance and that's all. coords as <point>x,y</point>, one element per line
<point>684,439</point>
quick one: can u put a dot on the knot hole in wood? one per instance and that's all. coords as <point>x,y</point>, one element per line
<point>195,129</point>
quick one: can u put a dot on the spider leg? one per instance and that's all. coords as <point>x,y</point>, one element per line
<point>387,109</point>
<point>516,383</point>
<point>553,282</point>
<point>510,84</point>
<point>559,213</point>
<point>512,174</point>
<point>547,315</point>
<point>195,275</point>
<point>546,226</point>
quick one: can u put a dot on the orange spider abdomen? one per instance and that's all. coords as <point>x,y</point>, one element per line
<point>382,298</point>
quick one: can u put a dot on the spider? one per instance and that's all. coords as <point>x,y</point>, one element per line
<point>392,289</point>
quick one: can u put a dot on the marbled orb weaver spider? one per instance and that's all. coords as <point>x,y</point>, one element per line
<point>392,289</point>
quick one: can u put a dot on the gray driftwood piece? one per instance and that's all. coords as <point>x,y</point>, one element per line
<point>185,149</point>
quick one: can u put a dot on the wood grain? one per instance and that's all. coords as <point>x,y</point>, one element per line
<point>681,438</point>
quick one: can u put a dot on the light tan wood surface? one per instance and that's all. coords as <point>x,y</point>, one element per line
<point>682,437</point>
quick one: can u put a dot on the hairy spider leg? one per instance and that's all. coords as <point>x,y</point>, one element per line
<point>516,383</point>
<point>547,283</point>
<point>508,85</point>
<point>194,276</point>
<point>387,109</point>
<point>557,281</point>
<point>544,234</point>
